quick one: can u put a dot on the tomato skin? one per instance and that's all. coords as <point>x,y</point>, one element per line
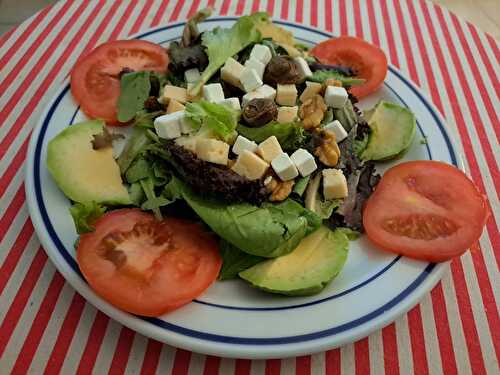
<point>186,269</point>
<point>367,60</point>
<point>447,211</point>
<point>94,79</point>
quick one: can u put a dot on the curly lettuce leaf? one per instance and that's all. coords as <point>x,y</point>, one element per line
<point>220,44</point>
<point>85,214</point>
<point>219,119</point>
<point>291,136</point>
<point>322,75</point>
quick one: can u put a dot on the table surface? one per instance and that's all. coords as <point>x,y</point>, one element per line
<point>46,326</point>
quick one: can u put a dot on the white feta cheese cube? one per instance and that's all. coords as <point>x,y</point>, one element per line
<point>334,184</point>
<point>241,144</point>
<point>284,167</point>
<point>192,75</point>
<point>187,126</point>
<point>250,80</point>
<point>213,92</point>
<point>263,92</point>
<point>262,53</point>
<point>212,150</point>
<point>335,96</point>
<point>169,126</point>
<point>304,162</point>
<point>312,88</point>
<point>269,149</point>
<point>256,65</point>
<point>174,92</point>
<point>190,97</point>
<point>250,165</point>
<point>189,143</point>
<point>233,103</point>
<point>231,72</point>
<point>287,114</point>
<point>336,128</point>
<point>303,66</point>
<point>286,95</point>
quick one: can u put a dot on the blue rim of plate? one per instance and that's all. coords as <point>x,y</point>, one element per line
<point>248,340</point>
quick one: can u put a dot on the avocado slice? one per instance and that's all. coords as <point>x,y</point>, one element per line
<point>392,131</point>
<point>317,259</point>
<point>85,175</point>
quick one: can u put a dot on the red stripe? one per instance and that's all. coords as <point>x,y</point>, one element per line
<point>357,18</point>
<point>123,20</point>
<point>122,351</point>
<point>23,61</point>
<point>177,10</point>
<point>314,13</point>
<point>24,37</point>
<point>21,299</point>
<point>343,18</point>
<point>94,341</point>
<point>270,7</point>
<point>478,79</point>
<point>5,37</point>
<point>211,3</point>
<point>273,367</point>
<point>485,59</point>
<point>373,23</point>
<point>303,365</point>
<point>410,61</point>
<point>14,167</point>
<point>391,359</point>
<point>225,7</point>
<point>49,79</point>
<point>181,362</point>
<point>328,15</point>
<point>332,362</point>
<point>160,13</point>
<point>298,11</point>
<point>11,212</point>
<point>211,365</point>
<point>467,318</point>
<point>494,46</point>
<point>240,6</point>
<point>151,357</point>
<point>443,331</point>
<point>284,9</point>
<point>242,367</point>
<point>420,364</point>
<point>362,357</point>
<point>15,253</point>
<point>194,8</point>
<point>255,5</point>
<point>65,335</point>
<point>393,55</point>
<point>142,16</point>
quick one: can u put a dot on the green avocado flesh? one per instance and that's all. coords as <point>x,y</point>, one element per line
<point>82,173</point>
<point>392,131</point>
<point>306,270</point>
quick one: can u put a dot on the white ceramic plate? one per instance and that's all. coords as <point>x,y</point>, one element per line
<point>231,319</point>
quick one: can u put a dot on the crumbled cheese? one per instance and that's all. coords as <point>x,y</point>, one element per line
<point>192,75</point>
<point>263,92</point>
<point>337,129</point>
<point>213,92</point>
<point>250,80</point>
<point>212,150</point>
<point>169,126</point>
<point>241,144</point>
<point>174,106</point>
<point>287,114</point>
<point>174,92</point>
<point>334,184</point>
<point>233,103</point>
<point>269,149</point>
<point>284,167</point>
<point>256,65</point>
<point>231,72</point>
<point>303,66</point>
<point>250,165</point>
<point>304,162</point>
<point>262,53</point>
<point>286,95</point>
<point>335,96</point>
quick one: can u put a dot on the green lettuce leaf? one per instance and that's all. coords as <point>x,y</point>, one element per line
<point>85,214</point>
<point>322,75</point>
<point>221,44</point>
<point>219,119</point>
<point>315,202</point>
<point>234,261</point>
<point>134,90</point>
<point>291,136</point>
<point>136,144</point>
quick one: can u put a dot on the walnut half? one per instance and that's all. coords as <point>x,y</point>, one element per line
<point>328,151</point>
<point>312,111</point>
<point>280,190</point>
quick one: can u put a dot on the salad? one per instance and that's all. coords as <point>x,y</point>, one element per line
<point>246,157</point>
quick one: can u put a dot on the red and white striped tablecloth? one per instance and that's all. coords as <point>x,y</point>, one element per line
<point>45,327</point>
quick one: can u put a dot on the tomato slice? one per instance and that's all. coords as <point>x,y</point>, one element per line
<point>145,266</point>
<point>367,60</point>
<point>426,210</point>
<point>95,82</point>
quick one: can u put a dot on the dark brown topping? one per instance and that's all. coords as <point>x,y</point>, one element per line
<point>104,139</point>
<point>258,112</point>
<point>282,70</point>
<point>152,104</point>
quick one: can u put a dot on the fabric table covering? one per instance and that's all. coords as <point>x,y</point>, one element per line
<point>45,327</point>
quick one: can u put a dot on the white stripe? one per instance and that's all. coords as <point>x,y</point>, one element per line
<point>166,360</point>
<point>11,40</point>
<point>49,337</point>
<point>27,318</point>
<point>247,8</point>
<point>184,11</point>
<point>108,346</point>
<point>227,364</point>
<point>490,53</point>
<point>336,17</point>
<point>405,358</point>
<point>379,22</point>
<point>276,11</point>
<point>347,359</point>
<point>258,367</point>
<point>376,350</point>
<point>365,22</point>
<point>6,199</point>
<point>136,356</point>
<point>196,364</point>
<point>231,11</point>
<point>491,267</point>
<point>398,41</point>
<point>318,363</point>
<point>351,25</point>
<point>13,232</point>
<point>291,11</point>
<point>430,336</point>
<point>288,366</point>
<point>80,339</point>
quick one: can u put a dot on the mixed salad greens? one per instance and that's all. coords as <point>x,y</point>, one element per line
<point>246,133</point>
